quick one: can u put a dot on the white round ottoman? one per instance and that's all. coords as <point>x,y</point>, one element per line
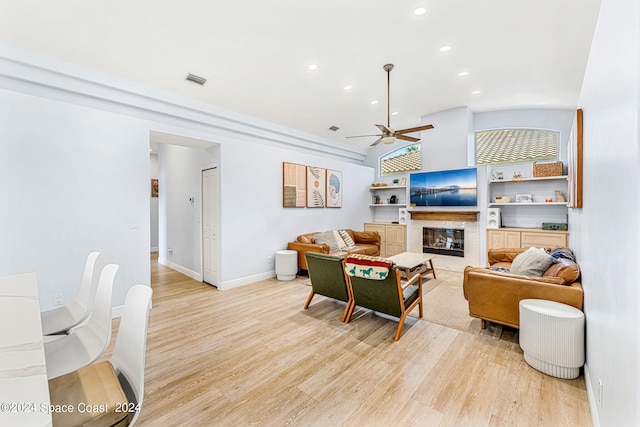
<point>552,337</point>
<point>286,264</point>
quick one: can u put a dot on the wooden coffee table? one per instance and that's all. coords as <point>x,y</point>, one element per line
<point>413,262</point>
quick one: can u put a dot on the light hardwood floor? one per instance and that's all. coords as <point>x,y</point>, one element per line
<point>253,356</point>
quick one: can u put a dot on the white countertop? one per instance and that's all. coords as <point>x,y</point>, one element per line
<point>24,389</point>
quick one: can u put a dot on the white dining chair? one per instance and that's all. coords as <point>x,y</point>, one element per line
<point>60,319</point>
<point>116,384</point>
<point>86,343</point>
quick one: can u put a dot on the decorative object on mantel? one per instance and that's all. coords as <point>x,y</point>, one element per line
<point>378,184</point>
<point>517,176</point>
<point>497,176</point>
<point>503,199</point>
<point>396,181</point>
<point>560,197</point>
<point>334,189</point>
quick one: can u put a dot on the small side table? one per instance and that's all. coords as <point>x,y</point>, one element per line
<point>286,264</point>
<point>552,337</point>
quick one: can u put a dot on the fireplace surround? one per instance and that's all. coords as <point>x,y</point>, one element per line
<point>447,220</point>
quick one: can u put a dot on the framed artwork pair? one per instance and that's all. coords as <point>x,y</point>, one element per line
<point>310,186</point>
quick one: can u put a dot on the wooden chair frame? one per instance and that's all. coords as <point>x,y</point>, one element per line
<point>350,302</point>
<point>417,278</point>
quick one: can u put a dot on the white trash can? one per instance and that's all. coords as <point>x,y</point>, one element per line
<point>552,337</point>
<point>286,264</point>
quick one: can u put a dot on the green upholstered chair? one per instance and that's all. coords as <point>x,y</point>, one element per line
<point>327,278</point>
<point>375,283</point>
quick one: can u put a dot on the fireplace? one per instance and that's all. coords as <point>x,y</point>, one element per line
<point>443,241</point>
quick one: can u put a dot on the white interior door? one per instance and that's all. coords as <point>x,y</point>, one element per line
<point>210,225</point>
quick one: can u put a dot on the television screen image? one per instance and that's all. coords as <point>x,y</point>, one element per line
<point>457,187</point>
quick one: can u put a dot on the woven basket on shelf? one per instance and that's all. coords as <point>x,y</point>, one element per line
<point>547,169</point>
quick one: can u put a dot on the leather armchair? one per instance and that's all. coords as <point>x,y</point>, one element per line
<point>495,296</point>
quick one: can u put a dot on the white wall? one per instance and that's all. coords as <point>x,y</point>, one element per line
<point>605,233</point>
<point>85,136</point>
<point>254,223</point>
<point>179,225</point>
<point>72,181</point>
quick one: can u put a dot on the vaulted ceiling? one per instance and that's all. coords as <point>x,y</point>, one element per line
<point>255,54</point>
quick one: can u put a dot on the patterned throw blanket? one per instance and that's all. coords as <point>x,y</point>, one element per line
<point>367,267</point>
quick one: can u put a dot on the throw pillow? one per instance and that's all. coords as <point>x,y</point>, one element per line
<point>348,241</point>
<point>532,262</point>
<point>327,238</point>
<point>341,244</point>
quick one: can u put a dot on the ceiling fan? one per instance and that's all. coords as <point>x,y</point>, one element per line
<point>389,134</point>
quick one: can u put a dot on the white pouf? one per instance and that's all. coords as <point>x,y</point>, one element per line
<point>286,264</point>
<point>552,337</point>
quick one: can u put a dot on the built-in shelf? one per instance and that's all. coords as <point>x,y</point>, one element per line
<point>538,178</point>
<point>394,205</point>
<point>530,204</point>
<point>388,187</point>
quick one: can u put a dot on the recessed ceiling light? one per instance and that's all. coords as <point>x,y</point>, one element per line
<point>312,67</point>
<point>419,11</point>
<point>445,48</point>
<point>374,102</point>
<point>463,73</point>
<point>475,92</point>
<point>348,87</point>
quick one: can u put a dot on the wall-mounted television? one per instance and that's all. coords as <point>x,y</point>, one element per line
<point>458,187</point>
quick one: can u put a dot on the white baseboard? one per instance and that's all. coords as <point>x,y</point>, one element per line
<point>156,249</point>
<point>235,283</point>
<point>177,267</point>
<point>222,286</point>
<point>591,397</point>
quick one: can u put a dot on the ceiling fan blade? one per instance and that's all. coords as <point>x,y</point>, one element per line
<point>376,143</point>
<point>362,136</point>
<point>415,129</point>
<point>385,129</point>
<point>407,138</point>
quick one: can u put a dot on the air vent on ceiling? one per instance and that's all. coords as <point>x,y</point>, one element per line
<point>196,79</point>
<point>334,128</point>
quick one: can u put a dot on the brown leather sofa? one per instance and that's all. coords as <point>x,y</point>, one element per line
<point>495,296</point>
<point>367,243</point>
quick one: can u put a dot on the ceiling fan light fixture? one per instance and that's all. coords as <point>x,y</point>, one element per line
<point>388,139</point>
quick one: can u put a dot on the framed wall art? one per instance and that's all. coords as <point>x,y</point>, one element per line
<point>316,187</point>
<point>575,162</point>
<point>154,188</point>
<point>294,185</point>
<point>334,189</point>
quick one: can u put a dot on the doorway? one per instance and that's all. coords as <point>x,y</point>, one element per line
<point>210,226</point>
